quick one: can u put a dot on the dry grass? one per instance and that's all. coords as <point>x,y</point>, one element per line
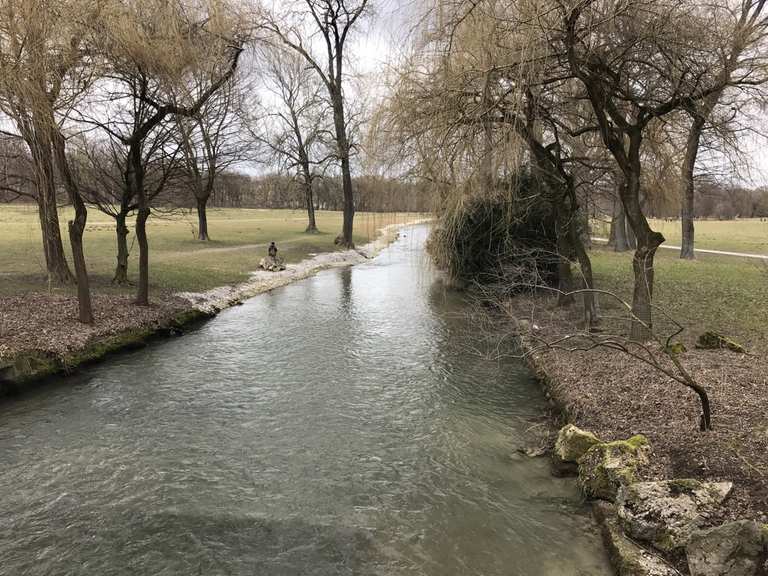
<point>722,293</point>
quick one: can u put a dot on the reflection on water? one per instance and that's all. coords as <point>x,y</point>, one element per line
<point>335,426</point>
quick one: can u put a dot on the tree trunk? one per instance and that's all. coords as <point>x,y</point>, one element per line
<point>142,292</point>
<point>346,175</point>
<point>202,218</point>
<point>564,272</point>
<point>630,234</point>
<point>134,178</point>
<point>648,242</point>
<point>55,260</point>
<point>311,222</point>
<point>612,227</point>
<point>76,229</point>
<point>642,294</point>
<point>121,270</point>
<point>576,238</point>
<point>76,226</point>
<point>565,282</point>
<point>619,228</point>
<point>687,199</point>
<point>591,312</point>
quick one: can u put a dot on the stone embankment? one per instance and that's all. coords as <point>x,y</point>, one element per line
<point>658,528</point>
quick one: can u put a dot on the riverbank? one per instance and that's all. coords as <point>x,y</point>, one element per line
<point>40,335</point>
<point>616,397</point>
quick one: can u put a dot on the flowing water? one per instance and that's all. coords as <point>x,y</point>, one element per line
<point>340,425</point>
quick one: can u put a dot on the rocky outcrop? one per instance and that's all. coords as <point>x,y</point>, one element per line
<point>572,443</point>
<point>667,513</point>
<point>733,549</point>
<point>272,264</point>
<point>607,466</point>
<point>627,557</point>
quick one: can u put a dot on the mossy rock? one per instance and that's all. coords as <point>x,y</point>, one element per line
<point>713,341</point>
<point>572,443</point>
<point>29,365</point>
<point>627,557</point>
<point>607,466</point>
<point>731,549</point>
<point>666,513</point>
<point>676,348</point>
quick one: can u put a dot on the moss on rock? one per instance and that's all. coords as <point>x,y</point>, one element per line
<point>665,513</point>
<point>627,557</point>
<point>32,365</point>
<point>573,442</point>
<point>607,466</point>
<point>29,365</point>
<point>714,341</point>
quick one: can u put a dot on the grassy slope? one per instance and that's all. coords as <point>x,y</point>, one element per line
<point>726,294</point>
<point>177,260</point>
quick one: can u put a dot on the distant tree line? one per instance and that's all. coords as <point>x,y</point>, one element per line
<point>233,189</point>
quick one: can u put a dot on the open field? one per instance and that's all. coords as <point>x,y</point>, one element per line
<point>177,260</point>
<point>722,293</point>
<point>749,235</point>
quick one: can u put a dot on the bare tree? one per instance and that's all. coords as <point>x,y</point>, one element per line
<point>211,142</point>
<point>293,128</point>
<point>47,81</point>
<point>741,67</point>
<point>644,41</point>
<point>35,58</point>
<point>101,165</point>
<point>333,21</point>
<point>153,66</point>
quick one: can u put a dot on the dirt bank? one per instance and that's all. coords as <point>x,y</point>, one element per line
<point>616,397</point>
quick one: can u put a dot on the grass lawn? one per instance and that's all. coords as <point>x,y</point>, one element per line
<point>177,260</point>
<point>749,235</point>
<point>722,293</point>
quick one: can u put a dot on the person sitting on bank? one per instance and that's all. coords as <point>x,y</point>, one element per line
<point>272,250</point>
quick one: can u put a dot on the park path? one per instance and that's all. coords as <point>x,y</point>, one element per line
<point>702,251</point>
<point>234,248</point>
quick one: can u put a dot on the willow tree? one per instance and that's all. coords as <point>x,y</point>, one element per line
<point>638,62</point>
<point>320,34</point>
<point>150,50</point>
<point>36,57</point>
<point>489,91</point>
<point>43,75</point>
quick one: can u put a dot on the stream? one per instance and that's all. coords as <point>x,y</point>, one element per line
<point>340,425</point>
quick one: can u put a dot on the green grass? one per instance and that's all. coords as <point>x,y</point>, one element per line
<point>721,293</point>
<point>749,235</point>
<point>177,260</point>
